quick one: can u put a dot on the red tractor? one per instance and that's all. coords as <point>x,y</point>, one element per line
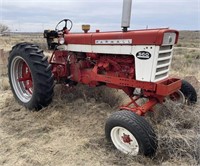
<point>129,60</point>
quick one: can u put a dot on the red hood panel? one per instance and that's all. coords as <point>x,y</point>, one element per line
<point>138,37</point>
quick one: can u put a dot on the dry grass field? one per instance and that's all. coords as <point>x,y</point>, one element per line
<point>70,131</point>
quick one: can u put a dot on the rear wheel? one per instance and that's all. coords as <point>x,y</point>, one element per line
<point>30,76</point>
<point>131,134</point>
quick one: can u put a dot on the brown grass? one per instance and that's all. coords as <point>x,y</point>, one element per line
<point>71,130</point>
<point>4,83</point>
<point>189,39</point>
<point>186,62</point>
<point>177,128</point>
<point>7,42</point>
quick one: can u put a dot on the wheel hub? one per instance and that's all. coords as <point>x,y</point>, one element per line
<point>21,79</point>
<point>178,97</point>
<point>126,138</point>
<point>26,78</point>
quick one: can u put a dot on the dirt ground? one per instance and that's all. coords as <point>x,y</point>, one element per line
<point>70,131</point>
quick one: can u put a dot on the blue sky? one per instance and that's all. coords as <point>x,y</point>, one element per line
<point>37,15</point>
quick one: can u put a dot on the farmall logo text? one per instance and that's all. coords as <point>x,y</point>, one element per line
<point>114,41</point>
<point>144,55</point>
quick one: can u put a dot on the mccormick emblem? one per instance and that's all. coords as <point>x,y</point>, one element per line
<point>144,55</point>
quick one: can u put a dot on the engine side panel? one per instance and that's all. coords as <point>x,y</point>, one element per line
<point>144,63</point>
<point>151,49</point>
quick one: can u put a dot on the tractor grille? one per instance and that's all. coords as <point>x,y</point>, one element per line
<point>163,62</point>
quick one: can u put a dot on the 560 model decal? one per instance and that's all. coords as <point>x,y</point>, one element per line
<point>144,55</point>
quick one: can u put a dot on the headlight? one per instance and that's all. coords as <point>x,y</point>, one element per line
<point>169,38</point>
<point>61,40</point>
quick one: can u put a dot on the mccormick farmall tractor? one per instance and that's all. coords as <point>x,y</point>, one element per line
<point>129,60</point>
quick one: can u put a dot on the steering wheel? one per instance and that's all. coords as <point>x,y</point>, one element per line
<point>65,26</point>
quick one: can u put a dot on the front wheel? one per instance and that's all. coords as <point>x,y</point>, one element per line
<point>131,134</point>
<point>30,76</point>
<point>186,95</point>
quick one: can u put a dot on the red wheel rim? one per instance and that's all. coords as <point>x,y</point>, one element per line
<point>21,79</point>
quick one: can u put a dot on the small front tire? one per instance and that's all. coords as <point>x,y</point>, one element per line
<point>189,92</point>
<point>131,134</point>
<point>186,95</point>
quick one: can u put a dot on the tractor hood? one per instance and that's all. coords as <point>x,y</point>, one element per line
<point>134,37</point>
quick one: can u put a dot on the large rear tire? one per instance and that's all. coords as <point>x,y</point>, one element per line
<point>30,76</point>
<point>131,134</point>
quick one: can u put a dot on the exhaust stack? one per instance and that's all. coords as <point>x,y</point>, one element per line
<point>126,15</point>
